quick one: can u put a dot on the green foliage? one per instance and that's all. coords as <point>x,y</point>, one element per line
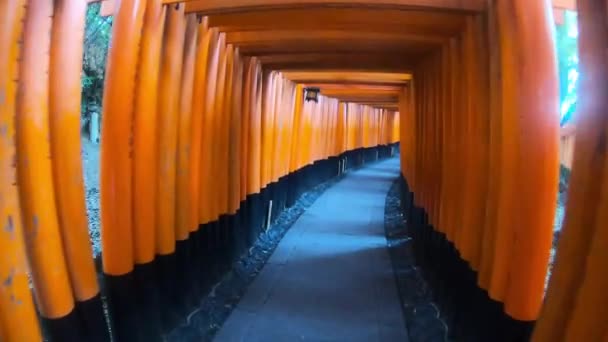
<point>567,56</point>
<point>96,42</point>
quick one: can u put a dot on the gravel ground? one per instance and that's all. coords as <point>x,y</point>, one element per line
<point>560,211</point>
<point>421,314</point>
<point>90,163</point>
<point>203,323</point>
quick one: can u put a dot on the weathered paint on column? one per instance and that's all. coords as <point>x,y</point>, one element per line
<point>184,134</point>
<point>202,62</point>
<point>36,191</point>
<point>168,120</point>
<point>65,69</point>
<point>206,199</point>
<point>116,141</point>
<point>145,117</point>
<point>574,308</point>
<point>18,321</point>
<point>538,160</point>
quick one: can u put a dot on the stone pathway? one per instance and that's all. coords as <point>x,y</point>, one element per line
<point>330,278</point>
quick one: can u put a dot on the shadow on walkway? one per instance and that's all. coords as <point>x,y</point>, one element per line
<point>330,278</point>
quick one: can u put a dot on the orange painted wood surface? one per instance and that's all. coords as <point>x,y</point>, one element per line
<point>494,146</point>
<point>145,117</point>
<point>64,110</point>
<point>116,155</point>
<point>505,202</point>
<point>184,132</point>
<point>206,202</point>
<point>168,126</point>
<point>538,163</point>
<point>477,141</point>
<point>573,297</point>
<point>16,304</point>
<point>36,189</point>
<point>204,55</point>
<point>211,6</point>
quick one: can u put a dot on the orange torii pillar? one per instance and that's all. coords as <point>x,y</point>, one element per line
<point>575,307</point>
<point>252,143</point>
<point>117,167</point>
<point>145,113</point>
<point>207,217</point>
<point>531,120</point>
<point>184,229</point>
<point>49,171</point>
<point>205,48</point>
<point>64,110</point>
<point>18,320</point>
<point>480,167</point>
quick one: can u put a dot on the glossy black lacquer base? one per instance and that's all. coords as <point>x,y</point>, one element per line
<point>470,313</point>
<point>152,300</point>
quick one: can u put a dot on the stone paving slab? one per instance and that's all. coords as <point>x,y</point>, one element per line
<point>330,278</point>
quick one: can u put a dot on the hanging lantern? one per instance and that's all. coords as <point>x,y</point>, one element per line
<point>311,94</point>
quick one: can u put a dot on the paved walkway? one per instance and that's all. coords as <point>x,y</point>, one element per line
<point>330,278</point>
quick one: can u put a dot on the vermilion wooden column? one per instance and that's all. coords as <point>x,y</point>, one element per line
<point>222,147</point>
<point>18,321</point>
<point>575,305</point>
<point>404,135</point>
<point>494,167</point>
<point>288,130</point>
<point>538,157</point>
<point>254,136</point>
<point>184,128</point>
<point>277,111</point>
<point>234,158</point>
<point>145,120</point>
<point>267,103</point>
<point>416,183</point>
<point>64,99</point>
<point>168,118</point>
<point>186,242</point>
<point>236,150</point>
<point>277,138</point>
<point>145,115</point>
<point>422,153</point>
<point>437,135</point>
<point>446,140</point>
<point>254,123</point>
<point>460,167</point>
<point>223,108</point>
<point>117,167</point>
<point>197,241</point>
<point>246,105</point>
<point>64,110</point>
<point>208,202</point>
<point>204,53</point>
<point>205,207</point>
<point>408,135</point>
<point>423,139</point>
<point>115,158</point>
<point>477,140</point>
<point>215,183</point>
<point>455,168</point>
<point>297,129</point>
<point>170,267</point>
<point>46,255</point>
<point>507,186</point>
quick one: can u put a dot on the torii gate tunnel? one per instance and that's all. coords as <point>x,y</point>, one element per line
<point>205,127</point>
